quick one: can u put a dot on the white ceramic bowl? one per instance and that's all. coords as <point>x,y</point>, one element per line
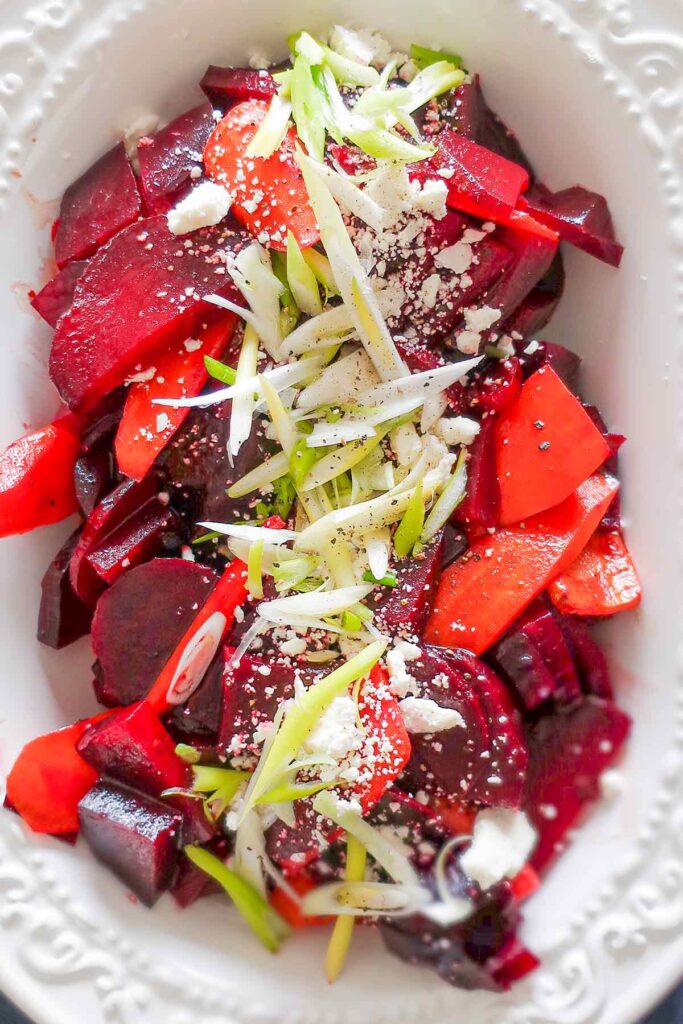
<point>593,88</point>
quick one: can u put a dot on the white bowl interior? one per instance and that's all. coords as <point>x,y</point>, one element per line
<point>575,130</point>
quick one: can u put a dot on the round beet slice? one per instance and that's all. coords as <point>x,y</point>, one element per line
<point>139,621</point>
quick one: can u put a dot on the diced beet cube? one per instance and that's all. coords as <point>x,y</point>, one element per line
<point>62,618</point>
<point>195,470</point>
<point>94,476</point>
<point>191,884</point>
<point>57,295</point>
<point>579,216</point>
<point>103,419</point>
<point>532,315</point>
<point>132,746</point>
<point>483,762</point>
<point>134,835</point>
<point>405,608</point>
<point>137,292</point>
<point>168,157</point>
<point>295,848</point>
<point>466,110</point>
<point>497,387</point>
<point>533,257</point>
<point>568,751</point>
<point>565,363</point>
<point>481,504</point>
<point>227,86</point>
<point>590,660</point>
<point>99,204</point>
<point>535,657</point>
<point>139,621</point>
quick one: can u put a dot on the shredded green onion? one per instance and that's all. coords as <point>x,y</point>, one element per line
<point>205,537</point>
<point>218,370</point>
<point>301,460</point>
<point>423,56</point>
<point>272,470</point>
<point>448,500</point>
<point>189,754</point>
<point>255,570</point>
<point>302,281</point>
<point>288,792</point>
<point>321,267</point>
<point>342,933</point>
<point>409,530</point>
<point>265,923</point>
<point>272,129</point>
<point>351,622</point>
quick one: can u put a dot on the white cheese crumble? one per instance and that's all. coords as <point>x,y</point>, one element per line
<point>192,344</point>
<point>336,734</point>
<point>205,205</point>
<point>401,682</point>
<point>366,46</point>
<point>501,845</point>
<point>163,422</point>
<point>457,257</point>
<point>297,645</point>
<point>406,444</point>
<point>457,429</point>
<point>422,714</point>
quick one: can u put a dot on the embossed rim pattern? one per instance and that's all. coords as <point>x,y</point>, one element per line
<point>51,936</point>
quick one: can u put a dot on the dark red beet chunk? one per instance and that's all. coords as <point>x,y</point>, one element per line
<point>484,762</point>
<point>139,621</point>
<point>227,86</point>
<point>466,110</point>
<point>62,618</point>
<point>130,299</point>
<point>94,476</point>
<point>127,524</point>
<point>532,315</point>
<point>57,295</point>
<point>132,746</point>
<point>405,608</point>
<point>590,660</point>
<point>481,504</point>
<point>579,216</point>
<point>535,657</point>
<point>294,849</point>
<point>533,257</point>
<point>481,952</point>
<point>201,715</point>
<point>195,469</point>
<point>568,751</point>
<point>566,364</point>
<point>190,883</point>
<point>99,204</point>
<point>168,157</point>
<point>135,836</point>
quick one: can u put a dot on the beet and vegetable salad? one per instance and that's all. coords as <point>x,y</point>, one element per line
<point>343,518</point>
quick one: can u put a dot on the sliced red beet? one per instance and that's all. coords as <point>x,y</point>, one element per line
<point>295,848</point>
<point>579,216</point>
<point>57,295</point>
<point>568,751</point>
<point>486,760</point>
<point>200,716</point>
<point>195,469</point>
<point>532,315</point>
<point>226,86</point>
<point>191,884</point>
<point>589,658</point>
<point>137,539</point>
<point>565,363</point>
<point>533,257</point>
<point>138,290</point>
<point>466,110</point>
<point>481,182</point>
<point>94,476</point>
<point>168,157</point>
<point>481,505</point>
<point>405,608</point>
<point>139,621</point>
<point>63,617</point>
<point>102,420</point>
<point>132,747</point>
<point>136,836</point>
<point>99,204</point>
<point>535,657</point>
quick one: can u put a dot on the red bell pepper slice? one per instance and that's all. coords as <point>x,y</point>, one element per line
<point>602,580</point>
<point>546,445</point>
<point>483,592</point>
<point>49,778</point>
<point>275,181</point>
<point>289,909</point>
<point>480,181</point>
<point>145,429</point>
<point>386,748</point>
<point>37,477</point>
<point>185,669</point>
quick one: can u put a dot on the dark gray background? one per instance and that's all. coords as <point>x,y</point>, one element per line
<point>671,1012</point>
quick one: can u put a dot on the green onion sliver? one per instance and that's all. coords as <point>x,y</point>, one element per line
<point>287,792</point>
<point>386,581</point>
<point>342,933</point>
<point>260,476</point>
<point>255,570</point>
<point>321,267</point>
<point>272,129</point>
<point>301,279</point>
<point>448,500</point>
<point>409,530</point>
<point>218,370</point>
<point>265,923</point>
<point>423,56</point>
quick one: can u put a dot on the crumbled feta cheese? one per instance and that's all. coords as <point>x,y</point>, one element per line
<point>401,682</point>
<point>406,444</point>
<point>337,734</point>
<point>501,845</point>
<point>422,714</point>
<point>259,62</point>
<point>206,204</point>
<point>429,291</point>
<point>431,198</point>
<point>457,258</point>
<point>481,318</point>
<point>162,422</point>
<point>468,342</point>
<point>532,347</point>
<point>142,376</point>
<point>297,645</point>
<point>365,46</point>
<point>192,344</point>
<point>457,429</point>
<point>506,345</point>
